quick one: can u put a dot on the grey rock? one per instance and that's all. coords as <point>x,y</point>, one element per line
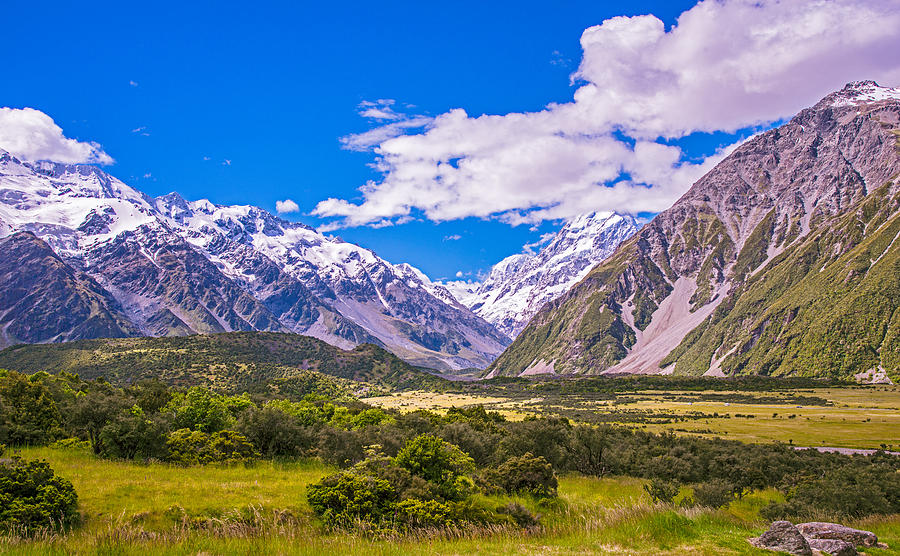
<point>822,530</point>
<point>782,536</point>
<point>833,546</point>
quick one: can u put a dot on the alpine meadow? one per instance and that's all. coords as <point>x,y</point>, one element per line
<point>298,278</point>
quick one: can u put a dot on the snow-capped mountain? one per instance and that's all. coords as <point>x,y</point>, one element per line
<point>173,266</point>
<point>519,285</point>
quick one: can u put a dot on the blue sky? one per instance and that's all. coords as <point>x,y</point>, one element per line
<point>245,103</point>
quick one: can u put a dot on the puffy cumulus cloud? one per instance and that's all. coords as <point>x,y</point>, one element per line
<point>33,135</point>
<point>286,206</point>
<point>731,64</point>
<point>726,65</point>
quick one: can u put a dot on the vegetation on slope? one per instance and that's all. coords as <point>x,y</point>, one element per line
<point>233,361</point>
<point>825,307</point>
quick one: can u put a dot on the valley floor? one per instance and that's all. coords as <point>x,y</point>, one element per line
<point>865,417</point>
<point>132,508</point>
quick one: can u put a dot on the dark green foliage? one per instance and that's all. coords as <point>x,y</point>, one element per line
<point>187,447</point>
<point>28,414</point>
<point>33,496</point>
<point>233,361</point>
<point>93,409</point>
<point>343,498</point>
<point>852,491</point>
<point>278,434</point>
<point>132,435</point>
<point>439,463</point>
<point>527,474</point>
<point>661,490</point>
<point>713,494</point>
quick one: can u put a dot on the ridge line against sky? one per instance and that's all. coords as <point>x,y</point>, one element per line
<point>236,109</point>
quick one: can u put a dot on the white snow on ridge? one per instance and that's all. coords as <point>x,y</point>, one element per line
<point>863,92</point>
<point>519,285</point>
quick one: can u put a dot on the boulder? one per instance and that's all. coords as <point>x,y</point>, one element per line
<point>782,536</point>
<point>833,547</point>
<point>822,530</point>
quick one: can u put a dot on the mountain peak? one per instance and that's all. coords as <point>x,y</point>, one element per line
<point>519,285</point>
<point>860,92</point>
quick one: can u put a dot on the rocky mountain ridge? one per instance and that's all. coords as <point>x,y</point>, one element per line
<point>778,261</point>
<point>519,285</point>
<point>168,266</point>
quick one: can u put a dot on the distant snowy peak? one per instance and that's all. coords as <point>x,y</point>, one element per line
<point>181,267</point>
<point>862,92</point>
<point>519,285</point>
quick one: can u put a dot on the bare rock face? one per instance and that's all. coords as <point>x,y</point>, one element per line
<point>833,547</point>
<point>782,536</point>
<point>835,531</point>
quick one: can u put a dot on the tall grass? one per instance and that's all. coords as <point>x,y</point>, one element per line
<point>260,509</point>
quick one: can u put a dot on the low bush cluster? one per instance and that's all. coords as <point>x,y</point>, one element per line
<point>431,465</point>
<point>428,484</point>
<point>32,496</point>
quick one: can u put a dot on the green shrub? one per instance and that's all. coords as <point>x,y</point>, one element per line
<point>713,494</point>
<point>200,410</point>
<point>28,412</point>
<point>187,447</point>
<point>520,514</point>
<point>133,436</point>
<point>439,463</point>
<point>33,496</point>
<point>661,490</point>
<point>344,498</point>
<point>853,491</point>
<point>528,474</point>
<point>416,513</point>
<point>276,433</point>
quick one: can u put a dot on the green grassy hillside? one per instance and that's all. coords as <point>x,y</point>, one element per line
<point>232,361</point>
<point>826,307</point>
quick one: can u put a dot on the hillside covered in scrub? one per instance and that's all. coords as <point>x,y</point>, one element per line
<point>232,361</point>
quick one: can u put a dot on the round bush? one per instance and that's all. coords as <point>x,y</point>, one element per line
<point>33,496</point>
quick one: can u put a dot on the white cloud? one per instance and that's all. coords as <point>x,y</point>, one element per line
<point>133,83</point>
<point>286,206</point>
<point>459,274</point>
<point>530,248</point>
<point>725,65</point>
<point>226,162</point>
<point>141,130</point>
<point>454,237</point>
<point>33,135</point>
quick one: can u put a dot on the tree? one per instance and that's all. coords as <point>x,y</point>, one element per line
<point>31,414</point>
<point>132,435</point>
<point>714,493</point>
<point>95,408</point>
<point>661,490</point>
<point>200,410</point>
<point>528,474</point>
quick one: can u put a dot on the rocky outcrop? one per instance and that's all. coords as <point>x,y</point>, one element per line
<point>833,547</point>
<point>782,536</point>
<point>823,538</point>
<point>835,531</point>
